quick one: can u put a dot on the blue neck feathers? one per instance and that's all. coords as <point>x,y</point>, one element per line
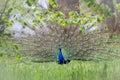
<point>61,58</point>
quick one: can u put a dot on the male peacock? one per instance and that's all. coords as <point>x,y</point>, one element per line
<point>61,59</point>
<point>44,45</point>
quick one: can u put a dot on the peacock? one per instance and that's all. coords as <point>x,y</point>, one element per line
<point>63,44</point>
<point>54,42</point>
<point>61,59</point>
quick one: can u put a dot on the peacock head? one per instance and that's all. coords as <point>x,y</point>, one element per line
<point>60,49</point>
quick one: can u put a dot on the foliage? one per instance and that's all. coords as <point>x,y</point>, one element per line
<point>117,6</point>
<point>40,16</point>
<point>98,8</point>
<point>6,46</point>
<point>53,3</point>
<point>5,35</point>
<point>31,2</point>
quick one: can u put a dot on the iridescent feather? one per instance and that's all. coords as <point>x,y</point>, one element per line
<point>85,46</point>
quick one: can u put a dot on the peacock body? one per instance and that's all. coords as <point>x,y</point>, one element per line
<point>61,59</point>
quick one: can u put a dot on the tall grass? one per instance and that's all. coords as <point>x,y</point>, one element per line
<point>75,70</point>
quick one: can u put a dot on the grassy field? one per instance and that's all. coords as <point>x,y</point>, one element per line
<point>12,69</point>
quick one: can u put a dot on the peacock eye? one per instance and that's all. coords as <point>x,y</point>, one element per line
<point>62,31</point>
<point>69,40</point>
<point>59,35</point>
<point>71,32</point>
<point>66,35</point>
<point>63,38</point>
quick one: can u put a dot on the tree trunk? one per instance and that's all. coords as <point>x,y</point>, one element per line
<point>68,5</point>
<point>110,22</point>
<point>118,19</point>
<point>113,23</point>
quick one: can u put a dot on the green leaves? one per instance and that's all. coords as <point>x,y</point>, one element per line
<point>64,23</point>
<point>117,6</point>
<point>2,54</point>
<point>18,56</point>
<point>31,2</point>
<point>98,8</point>
<point>40,16</point>
<point>53,3</point>
<point>8,10</point>
<point>100,19</point>
<point>16,47</point>
<point>81,30</point>
<point>7,48</point>
<point>9,24</point>
<point>73,14</point>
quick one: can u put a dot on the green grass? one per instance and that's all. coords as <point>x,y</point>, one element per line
<point>76,70</point>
